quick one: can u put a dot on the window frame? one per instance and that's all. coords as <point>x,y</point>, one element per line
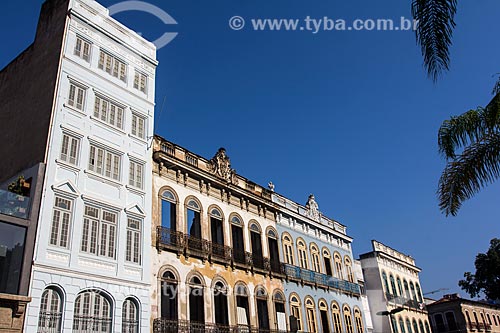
<point>81,53</point>
<point>136,174</point>
<point>135,128</point>
<point>58,233</point>
<point>98,223</point>
<point>138,76</point>
<point>133,247</point>
<point>74,90</point>
<point>115,169</point>
<point>113,65</point>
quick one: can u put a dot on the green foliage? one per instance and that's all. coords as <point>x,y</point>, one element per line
<point>466,173</point>
<point>487,277</point>
<point>434,33</point>
<point>17,186</point>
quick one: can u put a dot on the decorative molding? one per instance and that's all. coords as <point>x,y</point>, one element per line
<point>66,188</point>
<point>313,209</point>
<point>220,165</point>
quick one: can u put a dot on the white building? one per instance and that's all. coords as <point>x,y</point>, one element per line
<point>393,290</point>
<point>91,267</point>
<point>358,273</point>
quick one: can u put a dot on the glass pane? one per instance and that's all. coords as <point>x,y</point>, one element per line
<point>11,257</point>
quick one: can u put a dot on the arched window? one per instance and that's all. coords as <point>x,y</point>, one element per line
<point>337,324</point>
<point>386,283</point>
<point>315,258</point>
<point>394,325</point>
<point>407,289</point>
<point>348,266</point>
<point>323,311</point>
<point>359,321</point>
<point>418,292</point>
<point>279,307</point>
<point>348,319</point>
<point>467,316</point>
<point>242,307</point>
<point>415,326</point>
<point>49,319</point>
<point>274,254</point>
<point>400,287</point>
<point>475,317</point>
<point>421,326</point>
<point>495,320</point>
<point>295,310</point>
<point>256,242</point>
<point>302,251</point>
<point>169,295</point>
<point>402,325</point>
<point>438,319</point>
<point>393,286</point>
<point>130,316</point>
<point>412,289</point>
<point>237,237</point>
<point>196,302</point>
<point>450,319</point>
<point>262,308</point>
<point>288,249</point>
<point>193,223</point>
<point>311,316</point>
<point>92,313</point>
<point>489,318</point>
<point>217,233</point>
<point>220,304</point>
<point>408,326</point>
<point>327,258</point>
<point>169,210</point>
<point>338,265</point>
<point>427,328</point>
<point>482,317</point>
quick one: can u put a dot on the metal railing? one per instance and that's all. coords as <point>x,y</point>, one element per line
<point>130,326</point>
<point>161,325</point>
<point>319,279</point>
<point>84,324</point>
<point>403,301</point>
<point>49,322</point>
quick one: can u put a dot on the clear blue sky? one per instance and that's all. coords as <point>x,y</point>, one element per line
<point>348,116</point>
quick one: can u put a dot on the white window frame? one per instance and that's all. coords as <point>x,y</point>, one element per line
<point>76,96</point>
<point>141,82</point>
<point>133,253</point>
<point>99,231</point>
<point>105,162</point>
<point>109,112</point>
<point>70,149</point>
<point>61,222</point>
<point>135,127</point>
<point>112,65</point>
<point>83,48</point>
<point>136,174</point>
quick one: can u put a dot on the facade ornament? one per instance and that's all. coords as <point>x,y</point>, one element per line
<point>270,185</point>
<point>312,208</point>
<point>220,165</point>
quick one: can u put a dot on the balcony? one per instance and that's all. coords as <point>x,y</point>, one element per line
<point>189,246</point>
<point>161,325</point>
<point>14,204</point>
<point>403,301</point>
<point>321,280</point>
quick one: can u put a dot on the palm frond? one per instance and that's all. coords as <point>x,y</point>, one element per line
<point>492,113</point>
<point>476,167</point>
<point>459,131</point>
<point>434,31</point>
<point>496,87</point>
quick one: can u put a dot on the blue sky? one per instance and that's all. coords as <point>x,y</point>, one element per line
<point>349,116</point>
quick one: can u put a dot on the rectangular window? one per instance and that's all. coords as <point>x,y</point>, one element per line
<point>99,232</point>
<point>108,112</point>
<point>140,82</point>
<point>104,162</point>
<point>138,126</point>
<point>82,49</point>
<point>61,221</point>
<point>11,257</point>
<point>133,251</point>
<point>136,175</point>
<point>113,66</point>
<point>69,149</point>
<point>76,97</point>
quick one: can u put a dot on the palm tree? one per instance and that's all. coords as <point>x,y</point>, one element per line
<point>434,33</point>
<point>471,145</point>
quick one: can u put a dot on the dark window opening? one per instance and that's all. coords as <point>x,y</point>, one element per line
<point>324,321</point>
<point>258,259</point>
<point>263,314</point>
<point>328,266</point>
<point>169,297</point>
<point>11,257</point>
<point>169,215</point>
<point>238,247</point>
<point>220,304</point>
<point>274,254</point>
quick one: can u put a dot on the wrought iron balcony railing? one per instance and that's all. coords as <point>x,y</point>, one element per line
<point>403,301</point>
<point>49,322</point>
<point>161,325</point>
<point>84,324</point>
<point>180,243</point>
<point>319,279</point>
